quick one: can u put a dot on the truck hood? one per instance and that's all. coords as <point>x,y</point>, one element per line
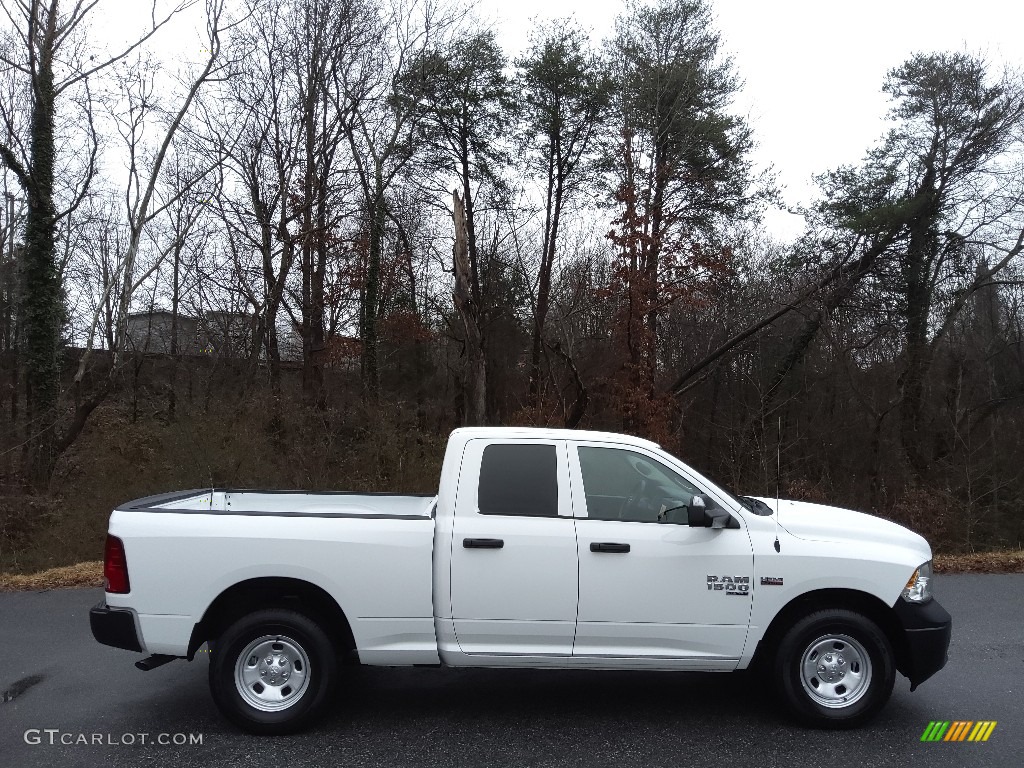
<point>818,522</point>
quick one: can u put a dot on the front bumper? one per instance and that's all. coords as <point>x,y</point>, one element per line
<point>927,628</point>
<point>114,627</point>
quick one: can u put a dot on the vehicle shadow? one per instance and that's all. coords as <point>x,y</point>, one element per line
<point>547,694</point>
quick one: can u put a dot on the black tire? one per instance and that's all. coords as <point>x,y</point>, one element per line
<point>835,669</point>
<point>286,646</point>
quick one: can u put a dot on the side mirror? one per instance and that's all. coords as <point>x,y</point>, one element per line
<point>696,513</point>
<point>700,515</point>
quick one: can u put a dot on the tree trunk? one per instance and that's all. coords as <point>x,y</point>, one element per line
<point>319,282</point>
<point>12,322</point>
<point>172,393</point>
<point>41,301</point>
<point>310,313</point>
<point>916,350</point>
<point>476,367</point>
<point>371,294</point>
<point>543,280</point>
<point>652,257</point>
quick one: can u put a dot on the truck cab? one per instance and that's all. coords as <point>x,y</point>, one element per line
<point>578,553</point>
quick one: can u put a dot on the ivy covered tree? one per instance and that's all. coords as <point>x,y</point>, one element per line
<point>51,61</point>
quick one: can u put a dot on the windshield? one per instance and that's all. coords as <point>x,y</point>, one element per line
<point>749,503</point>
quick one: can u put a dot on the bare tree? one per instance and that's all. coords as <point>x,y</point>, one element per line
<point>325,37</point>
<point>566,92</point>
<point>45,32</point>
<point>48,56</point>
<point>380,102</point>
<point>253,123</point>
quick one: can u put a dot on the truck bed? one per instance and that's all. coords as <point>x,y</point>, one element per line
<point>372,553</point>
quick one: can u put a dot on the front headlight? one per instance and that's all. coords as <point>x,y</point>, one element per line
<point>919,588</point>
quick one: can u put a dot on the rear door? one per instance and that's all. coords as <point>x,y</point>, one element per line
<point>514,567</point>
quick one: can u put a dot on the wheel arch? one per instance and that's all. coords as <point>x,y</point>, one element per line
<point>278,592</point>
<point>849,599</point>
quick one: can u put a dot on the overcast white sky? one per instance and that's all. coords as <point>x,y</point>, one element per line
<point>813,70</point>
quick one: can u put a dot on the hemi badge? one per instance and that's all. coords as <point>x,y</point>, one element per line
<point>771,581</point>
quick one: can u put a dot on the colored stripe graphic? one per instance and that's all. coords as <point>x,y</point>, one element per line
<point>982,730</point>
<point>958,730</point>
<point>935,730</point>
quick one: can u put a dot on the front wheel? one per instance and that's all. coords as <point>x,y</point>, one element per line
<point>272,671</point>
<point>835,669</point>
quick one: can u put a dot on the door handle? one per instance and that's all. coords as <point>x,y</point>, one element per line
<point>608,546</point>
<point>483,543</point>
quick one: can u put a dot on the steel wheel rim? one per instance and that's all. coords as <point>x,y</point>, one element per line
<point>272,673</point>
<point>835,671</point>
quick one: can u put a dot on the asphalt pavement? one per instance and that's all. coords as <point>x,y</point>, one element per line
<point>67,701</point>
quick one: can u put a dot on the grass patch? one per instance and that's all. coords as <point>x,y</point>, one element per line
<point>88,574</point>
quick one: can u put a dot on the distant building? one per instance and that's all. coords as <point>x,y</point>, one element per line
<point>226,334</point>
<point>151,332</point>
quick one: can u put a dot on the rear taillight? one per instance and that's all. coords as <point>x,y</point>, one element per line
<point>115,567</point>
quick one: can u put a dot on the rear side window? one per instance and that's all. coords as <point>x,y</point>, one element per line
<point>519,480</point>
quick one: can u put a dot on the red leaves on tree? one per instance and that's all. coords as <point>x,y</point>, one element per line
<point>656,265</point>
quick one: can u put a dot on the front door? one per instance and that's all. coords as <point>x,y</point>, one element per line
<point>648,580</point>
<point>514,566</point>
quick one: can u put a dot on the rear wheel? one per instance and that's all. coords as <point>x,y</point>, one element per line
<point>835,668</point>
<point>272,671</point>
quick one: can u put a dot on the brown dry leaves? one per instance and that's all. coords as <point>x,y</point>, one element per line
<point>1010,561</point>
<point>81,575</point>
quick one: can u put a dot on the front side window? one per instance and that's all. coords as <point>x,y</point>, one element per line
<point>519,479</point>
<point>625,485</point>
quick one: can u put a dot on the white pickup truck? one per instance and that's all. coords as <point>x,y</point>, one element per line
<point>543,548</point>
